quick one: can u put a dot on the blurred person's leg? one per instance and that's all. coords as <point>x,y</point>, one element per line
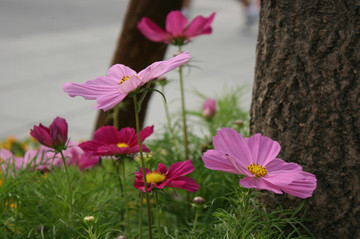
<point>185,9</point>
<point>251,11</point>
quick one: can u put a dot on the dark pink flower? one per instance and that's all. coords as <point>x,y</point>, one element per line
<point>110,141</point>
<point>55,136</point>
<point>255,157</point>
<point>209,108</point>
<point>121,80</point>
<point>177,31</point>
<point>172,177</point>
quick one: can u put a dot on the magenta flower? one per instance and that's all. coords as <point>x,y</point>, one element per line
<point>255,157</point>
<point>177,31</point>
<point>209,108</point>
<point>121,80</point>
<point>54,136</point>
<point>110,141</point>
<point>163,177</point>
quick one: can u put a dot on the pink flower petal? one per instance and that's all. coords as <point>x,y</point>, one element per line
<point>231,142</point>
<point>162,67</point>
<point>179,169</point>
<point>185,183</point>
<point>200,25</point>
<point>152,31</point>
<point>259,183</point>
<point>218,160</point>
<point>162,168</point>
<point>263,149</point>
<point>303,188</point>
<point>280,165</point>
<point>175,23</point>
<point>146,132</point>
<point>282,178</point>
<point>118,71</point>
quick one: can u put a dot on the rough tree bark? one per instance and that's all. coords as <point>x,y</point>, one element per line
<point>306,95</point>
<point>136,52</point>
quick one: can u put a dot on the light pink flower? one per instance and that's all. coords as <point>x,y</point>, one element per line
<point>44,159</point>
<point>172,177</point>
<point>255,157</point>
<point>177,31</point>
<point>9,160</point>
<point>209,108</point>
<point>121,80</point>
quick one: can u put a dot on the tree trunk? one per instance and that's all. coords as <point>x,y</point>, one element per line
<point>136,52</point>
<point>306,95</point>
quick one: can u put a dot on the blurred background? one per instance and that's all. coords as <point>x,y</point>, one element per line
<point>45,43</point>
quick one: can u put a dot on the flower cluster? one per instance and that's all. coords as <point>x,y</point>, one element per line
<point>45,158</point>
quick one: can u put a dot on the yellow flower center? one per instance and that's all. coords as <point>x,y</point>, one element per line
<point>125,78</point>
<point>155,177</point>
<point>257,170</point>
<point>122,145</point>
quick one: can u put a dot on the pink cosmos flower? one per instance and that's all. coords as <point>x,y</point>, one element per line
<point>172,177</point>
<point>177,31</point>
<point>54,136</point>
<point>209,108</point>
<point>44,159</point>
<point>8,159</point>
<point>121,80</point>
<point>110,141</point>
<point>80,158</point>
<point>255,157</point>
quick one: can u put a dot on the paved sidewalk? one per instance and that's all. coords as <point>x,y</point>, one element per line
<point>39,52</point>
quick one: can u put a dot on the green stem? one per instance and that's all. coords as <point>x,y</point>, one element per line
<point>171,131</point>
<point>157,214</point>
<point>185,132</point>
<point>116,117</point>
<point>141,214</point>
<point>126,198</point>
<point>183,112</point>
<point>142,164</point>
<point>69,186</point>
<point>195,221</point>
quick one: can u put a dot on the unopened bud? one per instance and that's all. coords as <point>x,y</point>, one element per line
<point>121,237</point>
<point>209,108</point>
<point>162,81</point>
<point>198,201</point>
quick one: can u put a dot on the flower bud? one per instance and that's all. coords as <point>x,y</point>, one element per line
<point>198,201</point>
<point>209,108</point>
